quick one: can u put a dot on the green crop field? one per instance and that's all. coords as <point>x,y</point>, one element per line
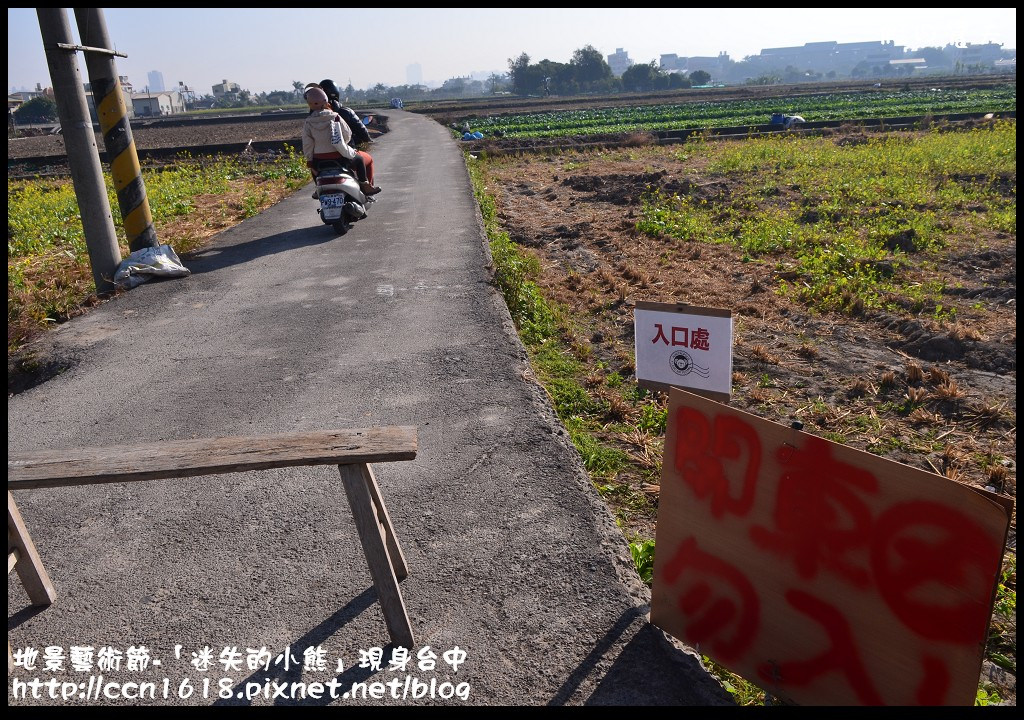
<point>831,106</point>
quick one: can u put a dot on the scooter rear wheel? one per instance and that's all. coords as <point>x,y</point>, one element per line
<point>340,228</point>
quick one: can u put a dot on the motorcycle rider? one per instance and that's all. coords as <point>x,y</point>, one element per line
<point>317,145</point>
<point>360,135</point>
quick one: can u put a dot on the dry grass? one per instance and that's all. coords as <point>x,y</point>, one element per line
<point>861,387</point>
<point>916,395</point>
<point>915,373</point>
<point>634,275</point>
<point>807,351</point>
<point>989,414</point>
<point>761,354</point>
<point>618,409</point>
<point>938,376</point>
<point>949,391</point>
<point>761,395</point>
<point>921,416</point>
<point>607,278</point>
<point>640,139</point>
<point>959,331</point>
<point>998,476</point>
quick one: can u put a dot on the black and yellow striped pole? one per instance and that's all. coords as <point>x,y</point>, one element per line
<point>125,171</point>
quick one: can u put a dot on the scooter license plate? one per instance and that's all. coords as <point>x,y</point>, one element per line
<point>334,200</point>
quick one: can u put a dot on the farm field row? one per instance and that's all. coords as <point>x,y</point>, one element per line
<point>681,116</point>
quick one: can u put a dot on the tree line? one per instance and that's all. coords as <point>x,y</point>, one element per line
<point>586,72</point>
<point>589,72</point>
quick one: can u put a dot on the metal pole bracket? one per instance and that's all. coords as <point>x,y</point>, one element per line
<point>86,48</point>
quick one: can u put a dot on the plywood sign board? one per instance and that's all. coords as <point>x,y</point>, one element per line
<point>823,574</point>
<point>683,346</point>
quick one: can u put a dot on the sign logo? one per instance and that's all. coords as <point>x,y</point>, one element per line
<point>682,364</point>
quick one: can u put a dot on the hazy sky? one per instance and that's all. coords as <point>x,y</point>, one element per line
<point>265,50</point>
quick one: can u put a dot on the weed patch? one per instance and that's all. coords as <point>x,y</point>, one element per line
<point>49,277</point>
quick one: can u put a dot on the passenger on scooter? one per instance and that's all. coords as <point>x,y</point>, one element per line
<point>317,145</point>
<point>360,135</point>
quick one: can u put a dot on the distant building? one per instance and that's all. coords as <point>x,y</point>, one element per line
<point>156,104</point>
<point>715,66</point>
<point>226,90</point>
<point>155,79</point>
<point>671,62</point>
<point>854,59</point>
<point>907,66</point>
<point>984,54</point>
<point>619,62</point>
<point>872,52</point>
<point>414,74</point>
<point>829,56</point>
<point>16,99</point>
<point>816,55</point>
<point>126,86</point>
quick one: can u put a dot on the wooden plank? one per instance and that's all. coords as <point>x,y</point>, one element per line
<point>387,528</point>
<point>208,456</point>
<point>30,567</point>
<point>355,478</point>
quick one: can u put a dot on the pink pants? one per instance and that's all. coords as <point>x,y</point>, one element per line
<point>369,165</point>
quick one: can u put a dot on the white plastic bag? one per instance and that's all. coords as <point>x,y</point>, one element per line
<point>147,263</point>
<point>338,139</point>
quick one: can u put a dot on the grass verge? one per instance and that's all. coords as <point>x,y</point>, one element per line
<point>49,276</point>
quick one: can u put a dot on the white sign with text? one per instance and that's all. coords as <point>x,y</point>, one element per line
<point>683,346</point>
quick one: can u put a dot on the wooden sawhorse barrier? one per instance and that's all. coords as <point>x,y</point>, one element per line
<point>351,450</point>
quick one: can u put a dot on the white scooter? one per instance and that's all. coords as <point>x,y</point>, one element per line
<point>342,202</point>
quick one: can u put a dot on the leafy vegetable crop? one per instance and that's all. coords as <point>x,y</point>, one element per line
<point>831,106</point>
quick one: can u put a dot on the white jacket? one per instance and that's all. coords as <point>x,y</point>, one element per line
<point>316,136</point>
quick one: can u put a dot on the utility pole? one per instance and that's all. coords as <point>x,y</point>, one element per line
<point>125,170</point>
<point>80,142</point>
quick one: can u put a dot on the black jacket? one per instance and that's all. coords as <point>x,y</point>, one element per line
<point>360,134</point>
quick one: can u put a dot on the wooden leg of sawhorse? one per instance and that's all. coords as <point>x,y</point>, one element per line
<point>23,557</point>
<point>29,565</point>
<point>386,528</point>
<point>383,555</point>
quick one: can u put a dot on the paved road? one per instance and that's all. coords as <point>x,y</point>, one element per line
<point>284,327</point>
